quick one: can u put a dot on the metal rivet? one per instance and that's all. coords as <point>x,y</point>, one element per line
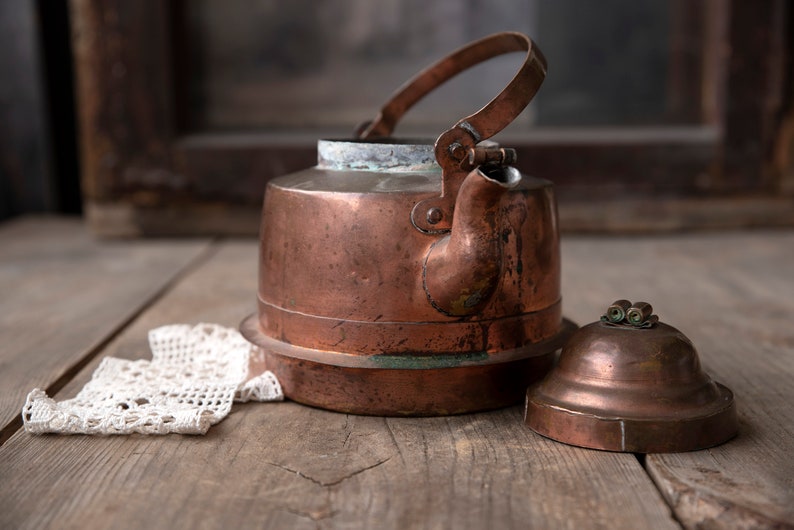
<point>457,151</point>
<point>434,215</point>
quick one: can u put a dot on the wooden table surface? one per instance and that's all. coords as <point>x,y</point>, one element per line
<point>67,300</point>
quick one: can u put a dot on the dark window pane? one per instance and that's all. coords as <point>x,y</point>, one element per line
<point>333,63</point>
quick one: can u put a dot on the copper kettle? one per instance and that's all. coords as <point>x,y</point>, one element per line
<point>402,278</point>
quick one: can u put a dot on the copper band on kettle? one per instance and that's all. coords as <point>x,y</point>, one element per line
<point>419,338</point>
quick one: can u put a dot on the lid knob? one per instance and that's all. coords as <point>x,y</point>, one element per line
<point>623,312</point>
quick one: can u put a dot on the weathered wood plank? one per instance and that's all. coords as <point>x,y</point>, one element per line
<point>62,293</point>
<point>733,295</point>
<point>289,466</point>
<point>283,465</point>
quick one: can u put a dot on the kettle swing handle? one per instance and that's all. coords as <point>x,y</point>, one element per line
<point>455,148</point>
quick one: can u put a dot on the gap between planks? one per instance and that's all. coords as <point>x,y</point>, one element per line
<point>642,460</point>
<point>15,424</point>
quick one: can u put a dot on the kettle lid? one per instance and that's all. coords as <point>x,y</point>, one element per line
<point>631,383</point>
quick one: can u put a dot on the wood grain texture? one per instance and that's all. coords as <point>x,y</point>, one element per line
<point>283,465</point>
<point>733,295</point>
<point>123,73</point>
<point>62,293</point>
<point>756,54</point>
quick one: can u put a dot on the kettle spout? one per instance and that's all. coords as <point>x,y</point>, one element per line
<point>462,270</point>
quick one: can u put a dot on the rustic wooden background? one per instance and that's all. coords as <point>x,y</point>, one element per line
<point>150,168</point>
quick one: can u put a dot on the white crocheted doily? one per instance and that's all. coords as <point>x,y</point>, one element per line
<point>195,374</point>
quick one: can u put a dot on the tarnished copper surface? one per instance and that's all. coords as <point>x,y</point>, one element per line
<point>404,384</point>
<point>443,311</point>
<point>463,269</point>
<point>634,384</point>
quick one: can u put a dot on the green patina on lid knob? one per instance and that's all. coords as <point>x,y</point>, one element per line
<point>624,313</point>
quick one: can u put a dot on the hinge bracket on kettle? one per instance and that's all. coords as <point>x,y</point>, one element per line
<point>457,159</point>
<point>434,215</point>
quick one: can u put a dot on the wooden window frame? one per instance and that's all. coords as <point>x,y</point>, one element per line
<point>141,175</point>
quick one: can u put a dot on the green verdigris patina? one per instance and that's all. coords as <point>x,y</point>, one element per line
<point>425,362</point>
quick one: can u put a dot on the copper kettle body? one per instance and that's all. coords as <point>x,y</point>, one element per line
<point>406,278</point>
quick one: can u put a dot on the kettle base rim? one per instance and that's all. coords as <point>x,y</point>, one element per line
<point>711,425</point>
<point>405,385</point>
